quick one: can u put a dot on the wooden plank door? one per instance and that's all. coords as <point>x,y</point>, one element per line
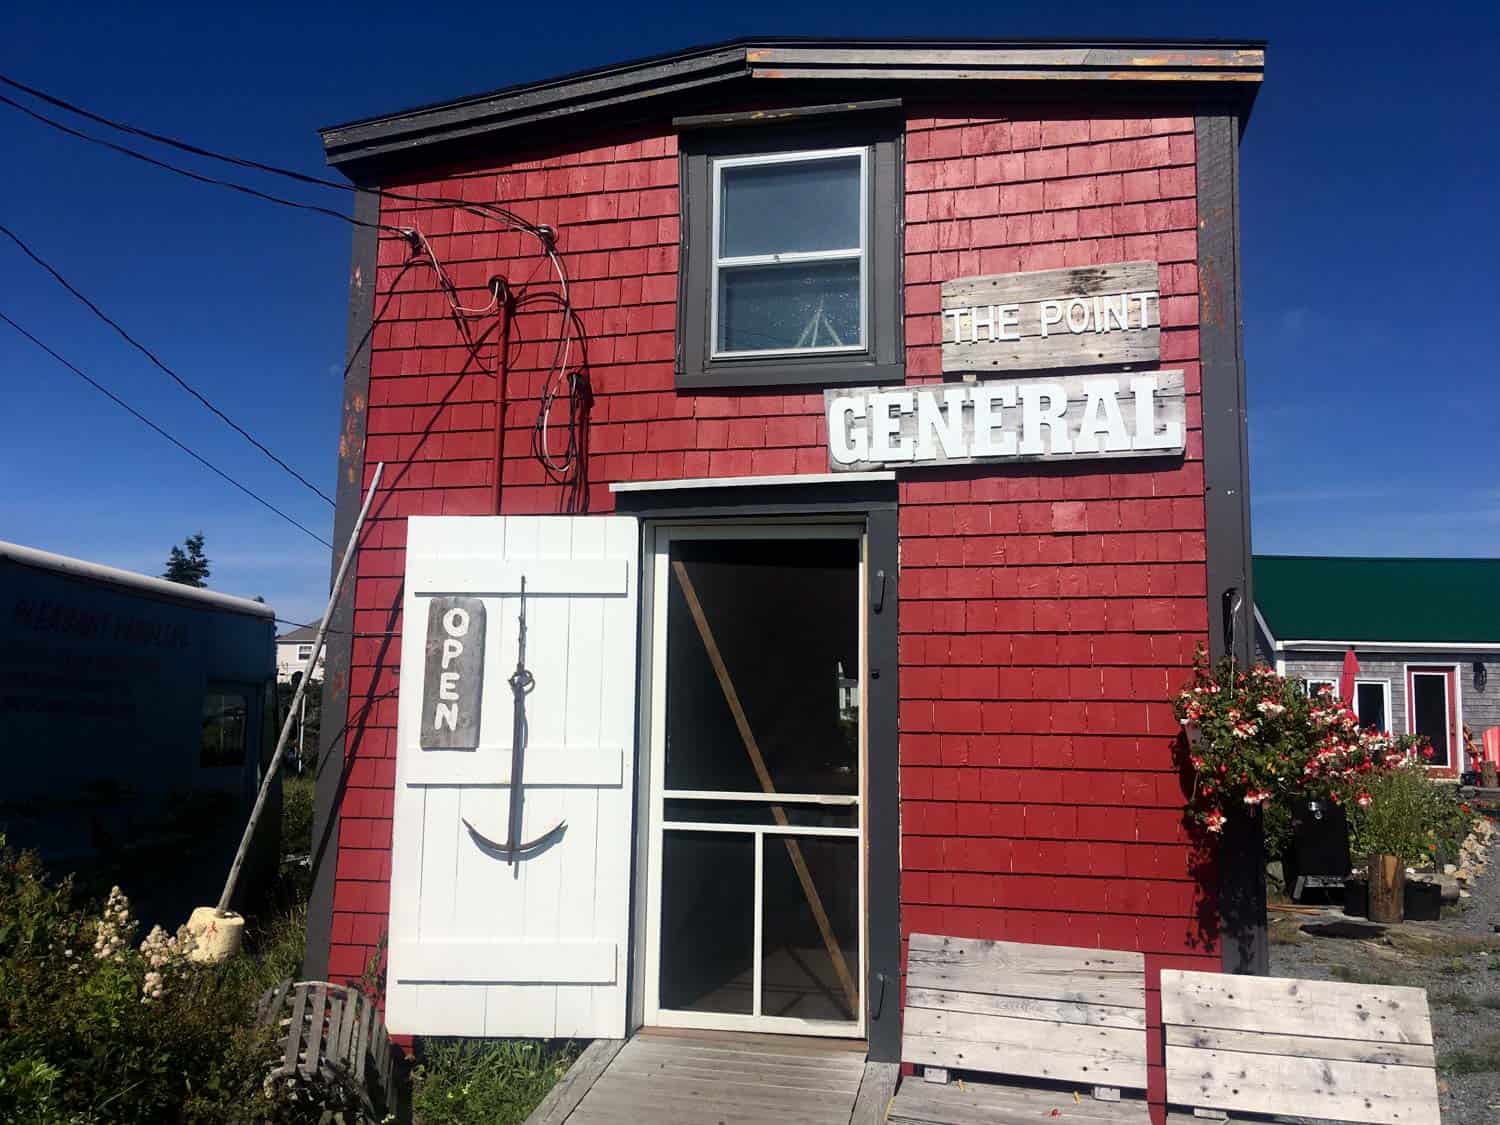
<point>481,945</point>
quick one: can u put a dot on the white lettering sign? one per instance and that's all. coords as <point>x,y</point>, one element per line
<point>1080,317</point>
<point>1070,417</point>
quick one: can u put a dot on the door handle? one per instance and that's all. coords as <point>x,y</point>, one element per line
<point>877,591</point>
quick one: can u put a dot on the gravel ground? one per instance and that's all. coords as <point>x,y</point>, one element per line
<point>1457,960</point>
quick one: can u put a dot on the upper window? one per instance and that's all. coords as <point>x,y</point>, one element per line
<point>789,253</point>
<point>790,257</point>
<point>304,652</point>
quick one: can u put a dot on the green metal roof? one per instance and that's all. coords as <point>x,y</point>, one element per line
<point>1306,597</point>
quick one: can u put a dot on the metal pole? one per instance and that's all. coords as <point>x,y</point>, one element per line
<point>301,734</point>
<point>291,715</point>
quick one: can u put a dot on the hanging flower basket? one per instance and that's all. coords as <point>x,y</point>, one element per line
<point>1254,737</point>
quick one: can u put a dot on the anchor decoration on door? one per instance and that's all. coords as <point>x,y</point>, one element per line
<point>521,684</point>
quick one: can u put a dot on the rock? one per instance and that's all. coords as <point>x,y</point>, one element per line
<point>1464,894</point>
<point>1450,869</point>
<point>1448,885</point>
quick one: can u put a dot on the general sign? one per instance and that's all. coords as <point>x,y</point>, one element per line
<point>1070,417</point>
<point>1084,317</point>
<point>453,684</point>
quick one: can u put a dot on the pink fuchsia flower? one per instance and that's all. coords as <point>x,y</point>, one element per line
<point>1427,753</point>
<point>1213,820</point>
<point>1270,708</point>
<point>1257,796</point>
<point>1363,800</point>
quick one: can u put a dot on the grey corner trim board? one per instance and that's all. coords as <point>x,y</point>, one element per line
<point>1226,478</point>
<point>337,719</point>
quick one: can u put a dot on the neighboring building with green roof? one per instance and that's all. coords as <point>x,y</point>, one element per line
<point>1426,633</point>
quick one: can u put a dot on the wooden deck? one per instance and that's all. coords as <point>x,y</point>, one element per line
<point>699,1078</point>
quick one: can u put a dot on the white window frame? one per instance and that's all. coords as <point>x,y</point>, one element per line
<point>1311,683</point>
<point>655,572</point>
<point>1385,686</point>
<point>718,164</point>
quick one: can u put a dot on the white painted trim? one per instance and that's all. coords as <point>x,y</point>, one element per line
<point>130,580</point>
<point>655,573</point>
<point>1266,629</point>
<point>1394,646</point>
<point>482,574</point>
<point>504,962</point>
<point>757,829</point>
<point>767,798</point>
<point>773,1025</point>
<point>751,482</point>
<point>586,767</point>
<point>862,252</point>
<point>1309,681</point>
<point>1386,685</point>
<point>1451,714</point>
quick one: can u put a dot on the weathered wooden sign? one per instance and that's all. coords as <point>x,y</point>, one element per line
<point>453,687</point>
<point>1070,417</point>
<point>1083,317</point>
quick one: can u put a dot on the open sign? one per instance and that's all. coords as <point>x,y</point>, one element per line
<point>454,682</point>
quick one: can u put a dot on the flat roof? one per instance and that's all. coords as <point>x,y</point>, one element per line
<point>130,580</point>
<point>1234,68</point>
<point>1417,600</point>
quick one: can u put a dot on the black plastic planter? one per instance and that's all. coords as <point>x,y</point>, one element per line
<point>1423,901</point>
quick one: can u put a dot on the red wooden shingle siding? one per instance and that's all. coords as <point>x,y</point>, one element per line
<point>1046,612</point>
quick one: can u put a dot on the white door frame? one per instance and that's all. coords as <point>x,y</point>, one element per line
<point>657,544</point>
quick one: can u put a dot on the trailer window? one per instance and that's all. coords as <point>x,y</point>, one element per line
<point>226,716</point>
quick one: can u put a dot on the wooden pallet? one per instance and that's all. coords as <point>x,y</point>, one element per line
<point>331,1033</point>
<point>1323,1049</point>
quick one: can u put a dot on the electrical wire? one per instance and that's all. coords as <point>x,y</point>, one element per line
<point>120,402</point>
<point>562,371</point>
<point>124,150</point>
<point>149,354</point>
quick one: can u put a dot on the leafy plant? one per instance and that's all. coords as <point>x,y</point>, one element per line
<point>98,1027</point>
<point>1256,739</point>
<point>486,1082</point>
<point>1401,812</point>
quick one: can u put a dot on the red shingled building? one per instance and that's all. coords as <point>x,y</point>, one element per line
<point>947,660</point>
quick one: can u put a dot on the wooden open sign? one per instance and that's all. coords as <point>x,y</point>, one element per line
<point>453,684</point>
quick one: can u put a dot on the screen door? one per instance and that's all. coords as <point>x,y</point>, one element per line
<point>755,912</point>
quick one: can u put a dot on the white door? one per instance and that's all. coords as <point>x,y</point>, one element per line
<point>482,943</point>
<point>755,914</point>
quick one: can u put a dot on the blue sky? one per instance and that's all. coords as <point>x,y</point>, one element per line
<point>1369,230</point>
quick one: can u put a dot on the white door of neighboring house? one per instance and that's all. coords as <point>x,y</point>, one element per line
<point>482,943</point>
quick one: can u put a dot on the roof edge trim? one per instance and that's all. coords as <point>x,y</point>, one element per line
<point>1234,68</point>
<point>130,580</point>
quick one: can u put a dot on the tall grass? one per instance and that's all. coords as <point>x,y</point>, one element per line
<point>486,1081</point>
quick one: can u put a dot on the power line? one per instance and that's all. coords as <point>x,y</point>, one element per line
<point>562,372</point>
<point>118,401</point>
<point>149,354</point>
<point>176,169</point>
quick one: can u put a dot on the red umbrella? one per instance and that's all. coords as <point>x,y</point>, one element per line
<point>1346,679</point>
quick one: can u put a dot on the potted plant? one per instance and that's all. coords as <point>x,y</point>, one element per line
<point>1395,820</point>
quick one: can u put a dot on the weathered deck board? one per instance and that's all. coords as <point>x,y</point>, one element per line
<point>918,1103</point>
<point>752,1081</point>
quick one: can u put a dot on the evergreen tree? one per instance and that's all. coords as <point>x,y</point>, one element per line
<point>189,567</point>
